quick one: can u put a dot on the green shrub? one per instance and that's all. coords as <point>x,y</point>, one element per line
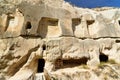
<point>111,61</point>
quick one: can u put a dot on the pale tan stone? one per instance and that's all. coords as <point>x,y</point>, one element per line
<point>51,39</point>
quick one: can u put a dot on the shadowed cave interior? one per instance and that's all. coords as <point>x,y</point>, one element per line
<point>41,64</point>
<point>28,25</point>
<point>103,58</point>
<point>70,62</point>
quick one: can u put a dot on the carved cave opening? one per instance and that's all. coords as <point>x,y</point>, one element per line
<point>119,22</point>
<point>75,22</point>
<point>70,63</point>
<point>75,62</point>
<point>58,63</point>
<point>44,47</point>
<point>28,25</point>
<point>117,41</point>
<point>41,64</point>
<point>10,22</point>
<point>48,27</point>
<point>90,22</point>
<point>103,57</point>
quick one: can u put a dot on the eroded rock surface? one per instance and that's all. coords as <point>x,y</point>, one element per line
<point>52,40</point>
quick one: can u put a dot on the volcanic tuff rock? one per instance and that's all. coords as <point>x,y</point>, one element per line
<point>52,40</point>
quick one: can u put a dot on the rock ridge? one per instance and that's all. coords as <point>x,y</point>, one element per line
<point>51,39</point>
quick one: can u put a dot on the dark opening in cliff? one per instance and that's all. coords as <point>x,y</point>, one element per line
<point>89,22</point>
<point>75,22</point>
<point>41,64</point>
<point>58,63</point>
<point>119,22</point>
<point>28,25</point>
<point>117,41</point>
<point>44,47</point>
<point>74,62</point>
<point>103,58</point>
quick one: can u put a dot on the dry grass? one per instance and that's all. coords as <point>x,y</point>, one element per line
<point>111,61</point>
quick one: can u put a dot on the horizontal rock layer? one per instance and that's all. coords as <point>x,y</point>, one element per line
<point>62,42</point>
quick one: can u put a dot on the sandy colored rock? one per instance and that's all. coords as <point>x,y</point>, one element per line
<point>53,40</point>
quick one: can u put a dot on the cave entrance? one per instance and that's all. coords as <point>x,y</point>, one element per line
<point>119,22</point>
<point>28,25</point>
<point>90,22</point>
<point>75,22</point>
<point>103,58</point>
<point>58,63</point>
<point>117,41</point>
<point>41,64</point>
<point>49,27</point>
<point>74,62</point>
<point>10,22</point>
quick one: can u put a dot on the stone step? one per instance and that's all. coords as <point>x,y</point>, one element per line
<point>39,76</point>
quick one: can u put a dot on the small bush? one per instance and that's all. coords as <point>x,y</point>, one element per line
<point>83,66</point>
<point>101,64</point>
<point>111,61</point>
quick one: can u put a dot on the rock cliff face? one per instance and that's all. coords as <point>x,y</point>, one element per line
<point>52,40</point>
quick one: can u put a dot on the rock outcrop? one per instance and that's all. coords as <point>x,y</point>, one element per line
<point>52,40</point>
